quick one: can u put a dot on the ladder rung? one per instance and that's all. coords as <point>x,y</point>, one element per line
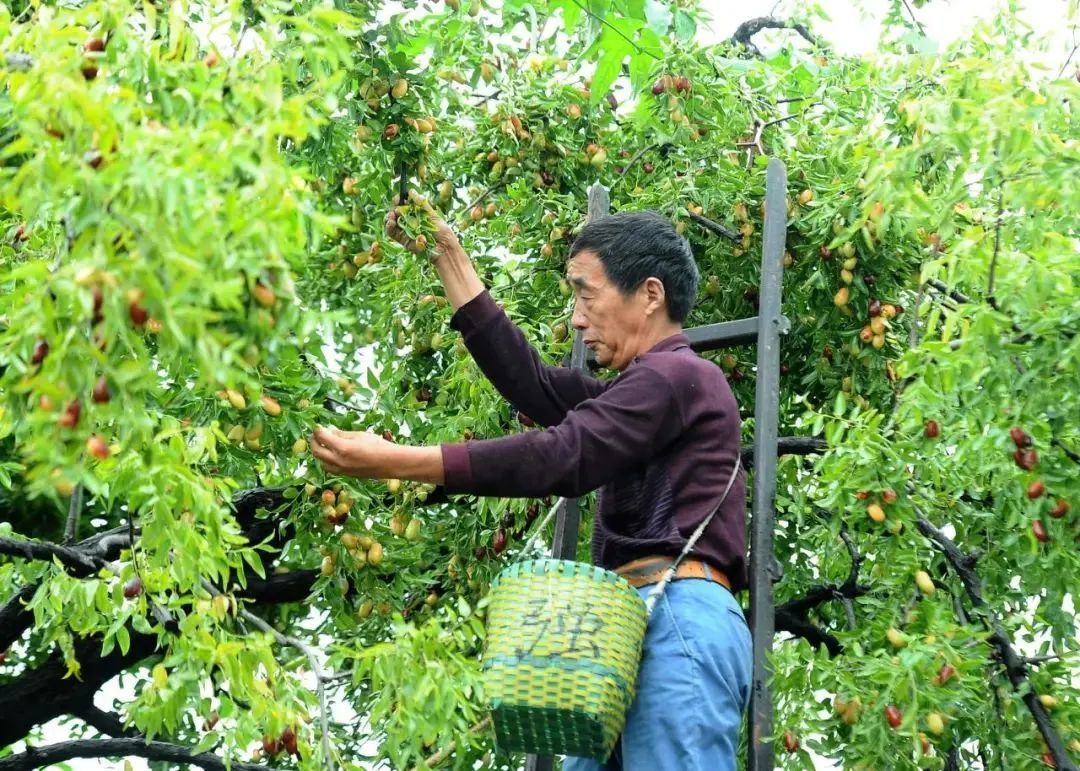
<point>729,334</point>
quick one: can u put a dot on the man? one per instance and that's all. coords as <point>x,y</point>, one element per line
<point>660,441</point>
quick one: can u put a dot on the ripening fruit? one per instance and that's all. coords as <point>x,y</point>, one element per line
<point>944,674</point>
<point>840,299</point>
<point>476,213</point>
<point>397,527</point>
<point>573,111</point>
<point>1020,437</point>
<point>896,638</point>
<point>878,341</point>
<point>791,744</point>
<point>1039,530</point>
<point>400,88</point>
<point>264,295</point>
<point>1048,701</point>
<point>97,447</point>
<point>1026,459</point>
<point>1061,508</point>
<point>932,430</point>
<point>1036,489</point>
<point>393,485</point>
<point>888,495</point>
<point>893,716</point>
<point>390,131</point>
<point>412,530</point>
<point>327,566</point>
<point>236,399</point>
<point>270,405</point>
<point>925,582</point>
<point>100,394</point>
<point>375,553</point>
<point>70,418</point>
<point>498,542</point>
<point>876,512</point>
<point>133,587</point>
<point>866,334</point>
<point>211,59</point>
<point>138,314</point>
<point>936,723</point>
<point>806,196</point>
<point>41,350</point>
<point>300,446</point>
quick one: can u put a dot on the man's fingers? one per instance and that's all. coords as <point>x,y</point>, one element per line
<point>324,443</point>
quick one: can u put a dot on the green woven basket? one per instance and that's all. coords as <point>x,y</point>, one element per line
<point>561,658</point>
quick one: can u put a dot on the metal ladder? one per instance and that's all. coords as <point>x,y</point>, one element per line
<point>765,330</point>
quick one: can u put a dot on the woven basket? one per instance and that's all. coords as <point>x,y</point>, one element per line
<point>561,658</point>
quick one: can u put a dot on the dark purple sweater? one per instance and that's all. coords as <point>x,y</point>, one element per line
<point>659,441</point>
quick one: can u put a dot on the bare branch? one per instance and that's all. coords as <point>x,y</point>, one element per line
<point>74,513</point>
<point>716,227</point>
<point>751,27</point>
<point>77,562</point>
<point>103,722</point>
<point>38,757</point>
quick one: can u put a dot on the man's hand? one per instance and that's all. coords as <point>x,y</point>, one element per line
<point>367,456</point>
<point>352,453</point>
<point>446,242</point>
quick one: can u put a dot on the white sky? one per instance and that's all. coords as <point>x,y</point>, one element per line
<point>852,29</point>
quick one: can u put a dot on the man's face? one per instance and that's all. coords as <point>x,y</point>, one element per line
<point>609,321</point>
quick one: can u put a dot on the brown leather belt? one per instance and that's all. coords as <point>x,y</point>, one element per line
<point>650,570</point>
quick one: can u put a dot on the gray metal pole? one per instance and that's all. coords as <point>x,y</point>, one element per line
<point>568,520</point>
<point>760,750</point>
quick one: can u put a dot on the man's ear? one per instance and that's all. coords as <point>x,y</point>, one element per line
<point>655,296</point>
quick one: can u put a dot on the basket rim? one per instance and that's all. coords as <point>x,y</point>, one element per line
<point>568,568</point>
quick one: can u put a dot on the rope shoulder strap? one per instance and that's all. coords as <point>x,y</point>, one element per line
<point>659,589</point>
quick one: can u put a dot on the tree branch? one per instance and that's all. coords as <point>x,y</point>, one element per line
<point>74,513</point>
<point>77,561</point>
<point>37,757</point>
<point>103,722</point>
<point>751,27</point>
<point>716,227</point>
<point>1015,669</point>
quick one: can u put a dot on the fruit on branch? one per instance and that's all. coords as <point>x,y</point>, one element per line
<point>1036,489</point>
<point>133,587</point>
<point>211,59</point>
<point>888,495</point>
<point>935,721</point>
<point>1061,508</point>
<point>893,716</point>
<point>400,88</point>
<point>1026,459</point>
<point>41,350</point>
<point>925,582</point>
<point>390,131</point>
<point>876,512</point>
<point>270,405</point>
<point>498,542</point>
<point>806,196</point>
<point>932,430</point>
<point>1020,437</point>
<point>791,743</point>
<point>840,299</point>
<point>896,638</point>
<point>137,313</point>
<point>235,398</point>
<point>682,84</point>
<point>101,394</point>
<point>70,416</point>
<point>97,447</point>
<point>1039,530</point>
<point>375,553</point>
<point>944,674</point>
<point>1048,701</point>
<point>412,530</point>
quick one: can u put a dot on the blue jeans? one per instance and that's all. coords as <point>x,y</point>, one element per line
<point>693,686</point>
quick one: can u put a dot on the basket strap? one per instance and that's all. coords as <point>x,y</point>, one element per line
<point>658,590</point>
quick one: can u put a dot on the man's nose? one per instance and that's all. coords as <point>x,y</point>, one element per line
<point>578,320</point>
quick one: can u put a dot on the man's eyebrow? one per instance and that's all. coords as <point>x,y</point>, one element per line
<point>579,282</point>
